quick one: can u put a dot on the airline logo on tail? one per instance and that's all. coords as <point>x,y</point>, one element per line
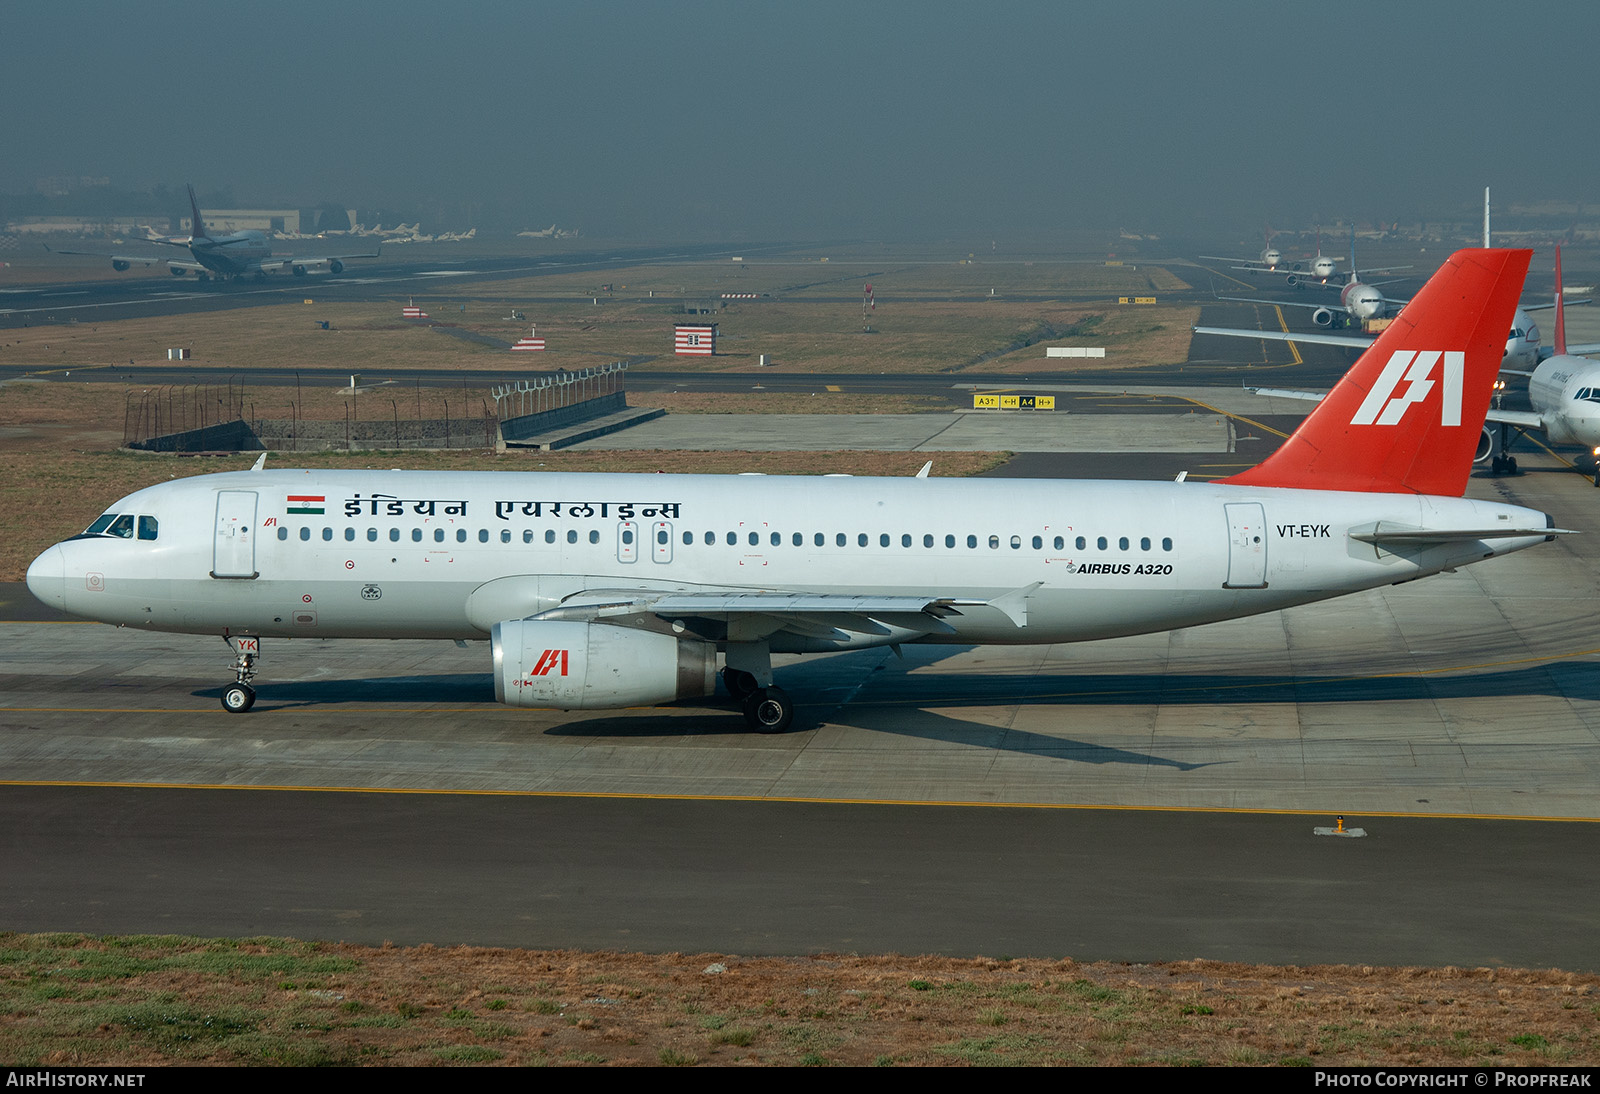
<point>1414,368</point>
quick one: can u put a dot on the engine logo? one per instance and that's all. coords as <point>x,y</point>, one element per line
<point>548,661</point>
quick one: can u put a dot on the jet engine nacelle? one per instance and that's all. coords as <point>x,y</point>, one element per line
<point>298,271</point>
<point>335,267</point>
<point>588,666</point>
<point>118,265</point>
<point>177,271</point>
<point>1323,317</point>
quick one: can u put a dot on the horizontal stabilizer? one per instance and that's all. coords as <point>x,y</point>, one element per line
<point>1350,341</point>
<point>1382,536</point>
<point>1283,393</point>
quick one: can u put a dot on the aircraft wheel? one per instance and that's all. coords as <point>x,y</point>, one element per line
<point>1511,465</point>
<point>238,698</point>
<point>740,684</point>
<point>769,710</point>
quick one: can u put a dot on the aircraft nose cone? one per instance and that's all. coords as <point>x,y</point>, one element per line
<point>47,578</point>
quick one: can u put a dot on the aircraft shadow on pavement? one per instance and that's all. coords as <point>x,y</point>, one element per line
<point>1566,679</point>
<point>916,705</point>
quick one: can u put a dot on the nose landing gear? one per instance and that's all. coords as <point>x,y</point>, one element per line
<point>239,696</point>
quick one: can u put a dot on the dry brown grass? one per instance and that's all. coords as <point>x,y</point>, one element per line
<point>930,317</point>
<point>145,1001</point>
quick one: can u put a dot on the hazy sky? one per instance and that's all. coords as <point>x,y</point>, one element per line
<point>816,119</point>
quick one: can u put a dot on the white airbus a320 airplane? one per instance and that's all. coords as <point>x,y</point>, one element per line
<point>621,590</point>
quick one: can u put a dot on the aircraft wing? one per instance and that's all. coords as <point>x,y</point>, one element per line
<point>131,260</point>
<point>1348,340</point>
<point>320,263</point>
<point>1272,303</point>
<point>1522,419</point>
<point>123,262</point>
<point>816,615</point>
<point>1574,349</point>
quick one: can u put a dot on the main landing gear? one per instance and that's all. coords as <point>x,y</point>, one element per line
<point>767,709</point>
<point>1503,465</point>
<point>239,696</point>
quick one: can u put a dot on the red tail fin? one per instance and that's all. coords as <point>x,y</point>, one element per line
<point>1407,416</point>
<point>1561,312</point>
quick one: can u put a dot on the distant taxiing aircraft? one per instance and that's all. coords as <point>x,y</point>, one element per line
<point>241,254</point>
<point>1267,262</point>
<point>606,591</point>
<point>1358,300</point>
<point>1563,390</point>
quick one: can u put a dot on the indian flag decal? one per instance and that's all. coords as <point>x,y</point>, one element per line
<point>306,503</point>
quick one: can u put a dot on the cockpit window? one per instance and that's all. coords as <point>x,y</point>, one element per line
<point>122,526</point>
<point>148,527</point>
<point>1587,395</point>
<point>100,525</point>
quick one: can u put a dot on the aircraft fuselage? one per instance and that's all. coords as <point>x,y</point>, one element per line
<point>449,554</point>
